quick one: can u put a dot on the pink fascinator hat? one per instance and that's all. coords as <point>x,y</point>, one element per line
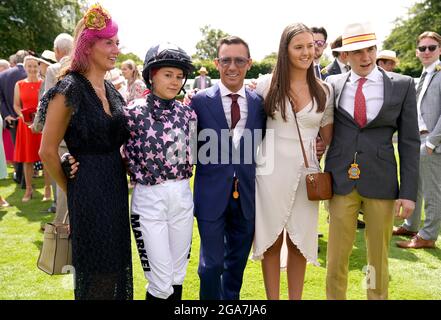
<point>98,24</point>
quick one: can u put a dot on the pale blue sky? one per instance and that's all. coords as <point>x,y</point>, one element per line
<point>260,23</point>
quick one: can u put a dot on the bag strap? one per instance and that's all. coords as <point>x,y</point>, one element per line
<point>66,215</point>
<point>300,136</point>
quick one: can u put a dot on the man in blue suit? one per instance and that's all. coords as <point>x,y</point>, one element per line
<point>8,79</point>
<point>231,118</point>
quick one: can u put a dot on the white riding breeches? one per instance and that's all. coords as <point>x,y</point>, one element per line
<point>162,223</point>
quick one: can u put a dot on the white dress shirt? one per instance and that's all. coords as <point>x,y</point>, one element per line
<point>243,105</point>
<point>421,124</point>
<point>373,91</point>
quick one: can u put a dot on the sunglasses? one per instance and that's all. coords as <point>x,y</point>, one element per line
<point>238,61</point>
<point>319,43</point>
<point>431,48</point>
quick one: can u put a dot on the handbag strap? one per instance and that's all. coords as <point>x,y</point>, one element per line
<point>66,215</point>
<point>300,136</point>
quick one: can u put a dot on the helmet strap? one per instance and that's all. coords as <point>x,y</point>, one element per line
<point>183,85</point>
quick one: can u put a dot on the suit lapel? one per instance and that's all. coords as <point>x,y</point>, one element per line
<point>339,90</point>
<point>336,67</point>
<point>388,90</point>
<point>215,106</point>
<point>432,75</point>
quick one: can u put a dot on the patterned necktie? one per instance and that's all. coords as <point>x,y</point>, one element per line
<point>235,110</point>
<point>360,104</point>
<point>420,85</point>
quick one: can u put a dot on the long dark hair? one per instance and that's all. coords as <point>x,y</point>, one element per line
<point>280,83</point>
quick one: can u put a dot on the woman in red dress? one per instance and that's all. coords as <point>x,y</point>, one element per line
<point>27,142</point>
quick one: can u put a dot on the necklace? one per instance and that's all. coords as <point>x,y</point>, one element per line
<point>32,83</point>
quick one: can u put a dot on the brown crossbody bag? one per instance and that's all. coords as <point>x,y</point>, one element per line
<point>319,184</point>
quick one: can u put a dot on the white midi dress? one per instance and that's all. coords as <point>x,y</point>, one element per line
<point>281,199</point>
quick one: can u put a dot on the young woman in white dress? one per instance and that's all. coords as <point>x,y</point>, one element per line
<point>281,199</point>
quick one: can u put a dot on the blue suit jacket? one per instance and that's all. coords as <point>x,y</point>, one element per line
<point>214,180</point>
<point>8,79</point>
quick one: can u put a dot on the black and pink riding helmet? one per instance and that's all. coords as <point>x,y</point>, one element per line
<point>166,55</point>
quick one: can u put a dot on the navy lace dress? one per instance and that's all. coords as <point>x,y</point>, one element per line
<point>98,196</point>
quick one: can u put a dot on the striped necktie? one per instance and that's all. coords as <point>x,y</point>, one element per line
<point>420,85</point>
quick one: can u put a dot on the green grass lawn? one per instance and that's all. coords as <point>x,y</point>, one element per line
<point>415,274</point>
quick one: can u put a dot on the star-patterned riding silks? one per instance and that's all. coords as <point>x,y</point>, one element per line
<point>159,145</point>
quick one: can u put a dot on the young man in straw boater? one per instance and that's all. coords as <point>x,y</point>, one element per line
<point>387,59</point>
<point>370,106</point>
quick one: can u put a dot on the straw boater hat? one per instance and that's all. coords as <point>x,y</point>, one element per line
<point>49,56</point>
<point>203,69</point>
<point>388,55</point>
<point>357,36</point>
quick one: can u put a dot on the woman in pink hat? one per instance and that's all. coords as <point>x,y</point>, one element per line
<point>87,112</point>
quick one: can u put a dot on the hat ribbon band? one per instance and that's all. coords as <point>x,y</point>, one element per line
<point>360,38</point>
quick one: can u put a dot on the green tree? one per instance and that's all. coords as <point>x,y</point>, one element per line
<point>423,16</point>
<point>33,25</point>
<point>125,56</point>
<point>271,56</point>
<point>206,48</point>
